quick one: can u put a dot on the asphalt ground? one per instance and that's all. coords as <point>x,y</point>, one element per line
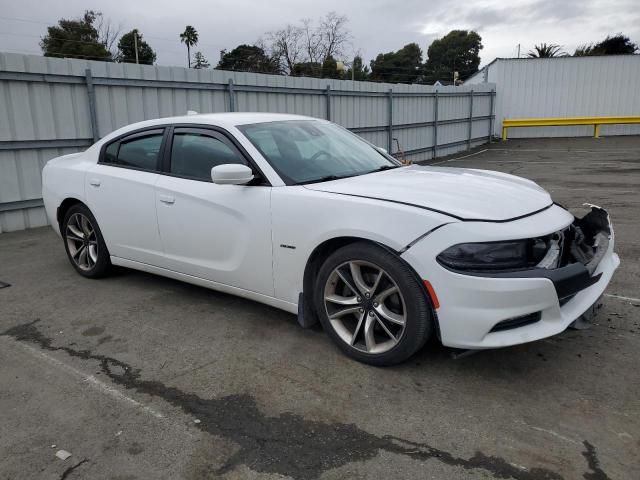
<point>143,377</point>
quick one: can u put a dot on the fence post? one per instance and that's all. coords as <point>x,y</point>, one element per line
<point>232,96</point>
<point>390,117</point>
<point>470,119</point>
<point>328,94</point>
<point>493,94</point>
<point>435,125</point>
<point>91,93</point>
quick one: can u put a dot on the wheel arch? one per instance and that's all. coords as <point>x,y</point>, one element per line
<point>315,260</point>
<point>318,256</point>
<point>64,207</point>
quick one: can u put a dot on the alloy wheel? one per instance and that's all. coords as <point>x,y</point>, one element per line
<point>365,306</point>
<point>82,241</point>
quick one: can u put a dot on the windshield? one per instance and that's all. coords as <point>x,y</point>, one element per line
<point>309,151</point>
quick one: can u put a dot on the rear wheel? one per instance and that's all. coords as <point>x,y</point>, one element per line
<point>83,242</point>
<point>372,305</point>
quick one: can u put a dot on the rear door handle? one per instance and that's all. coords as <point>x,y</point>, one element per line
<point>94,182</point>
<point>168,199</point>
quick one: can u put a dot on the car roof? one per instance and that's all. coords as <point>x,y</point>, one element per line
<point>223,120</point>
<point>242,118</point>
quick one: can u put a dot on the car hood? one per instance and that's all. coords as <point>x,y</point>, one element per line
<point>466,194</point>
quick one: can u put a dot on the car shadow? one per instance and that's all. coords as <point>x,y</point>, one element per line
<point>543,359</point>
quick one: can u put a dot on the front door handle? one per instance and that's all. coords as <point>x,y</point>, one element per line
<point>94,182</point>
<point>168,199</point>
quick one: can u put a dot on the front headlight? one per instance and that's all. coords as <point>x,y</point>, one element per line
<point>507,255</point>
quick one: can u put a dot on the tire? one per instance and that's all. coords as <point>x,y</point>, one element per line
<point>81,233</point>
<point>389,325</point>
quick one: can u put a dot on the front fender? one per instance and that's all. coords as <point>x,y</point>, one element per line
<point>303,219</point>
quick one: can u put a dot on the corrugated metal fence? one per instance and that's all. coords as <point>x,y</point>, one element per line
<point>564,87</point>
<point>51,107</point>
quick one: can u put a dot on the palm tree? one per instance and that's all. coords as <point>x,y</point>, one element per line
<point>190,38</point>
<point>546,51</point>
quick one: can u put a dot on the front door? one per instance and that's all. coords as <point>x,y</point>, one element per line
<point>216,232</point>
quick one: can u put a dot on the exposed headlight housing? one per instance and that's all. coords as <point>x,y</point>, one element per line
<point>585,242</point>
<point>495,256</point>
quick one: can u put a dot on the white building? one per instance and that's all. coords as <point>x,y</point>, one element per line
<point>564,87</point>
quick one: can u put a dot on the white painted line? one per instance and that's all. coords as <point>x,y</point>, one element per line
<point>617,192</point>
<point>620,297</point>
<point>555,434</point>
<point>565,150</point>
<point>89,379</point>
<point>460,158</point>
<point>117,394</point>
<point>515,150</point>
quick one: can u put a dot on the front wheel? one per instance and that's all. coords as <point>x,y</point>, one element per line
<point>372,304</point>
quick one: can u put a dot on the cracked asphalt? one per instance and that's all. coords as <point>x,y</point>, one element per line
<point>142,377</point>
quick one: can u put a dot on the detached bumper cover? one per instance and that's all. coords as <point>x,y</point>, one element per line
<point>473,304</point>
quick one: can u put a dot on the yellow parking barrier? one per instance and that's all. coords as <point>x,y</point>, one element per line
<point>570,121</point>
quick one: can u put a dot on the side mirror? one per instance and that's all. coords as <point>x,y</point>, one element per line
<point>231,174</point>
<point>382,150</point>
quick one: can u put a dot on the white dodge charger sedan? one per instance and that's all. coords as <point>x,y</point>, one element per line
<point>303,215</point>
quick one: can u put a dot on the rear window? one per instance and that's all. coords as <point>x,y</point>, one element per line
<point>140,151</point>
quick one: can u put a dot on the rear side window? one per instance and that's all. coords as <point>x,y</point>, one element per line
<point>138,151</point>
<point>194,154</point>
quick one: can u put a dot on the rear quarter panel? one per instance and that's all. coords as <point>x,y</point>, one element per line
<point>62,178</point>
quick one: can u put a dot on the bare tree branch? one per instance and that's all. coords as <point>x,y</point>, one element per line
<point>107,33</point>
<point>286,46</point>
<point>334,35</point>
<point>310,43</point>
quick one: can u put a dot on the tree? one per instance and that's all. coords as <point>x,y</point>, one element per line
<point>248,58</point>
<point>307,69</point>
<point>615,45</point>
<point>584,50</point>
<point>286,46</point>
<point>330,68</point>
<point>358,70</point>
<point>403,66</point>
<point>612,45</point>
<point>458,51</point>
<point>190,38</point>
<point>327,39</point>
<point>333,34</point>
<point>546,51</point>
<point>199,61</point>
<point>79,38</point>
<point>303,49</point>
<point>127,49</point>
<point>107,33</point>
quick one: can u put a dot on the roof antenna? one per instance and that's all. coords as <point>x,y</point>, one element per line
<point>192,112</point>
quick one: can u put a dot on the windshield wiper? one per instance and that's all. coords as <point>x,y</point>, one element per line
<point>326,178</point>
<point>384,167</point>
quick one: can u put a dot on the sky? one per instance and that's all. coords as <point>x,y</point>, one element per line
<point>376,25</point>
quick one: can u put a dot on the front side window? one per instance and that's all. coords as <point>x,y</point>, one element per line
<point>194,154</point>
<point>141,151</point>
<point>307,151</point>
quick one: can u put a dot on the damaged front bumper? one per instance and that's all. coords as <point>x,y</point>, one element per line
<point>488,310</point>
<point>575,257</point>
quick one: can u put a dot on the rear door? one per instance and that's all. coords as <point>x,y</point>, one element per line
<point>216,232</point>
<point>120,191</point>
